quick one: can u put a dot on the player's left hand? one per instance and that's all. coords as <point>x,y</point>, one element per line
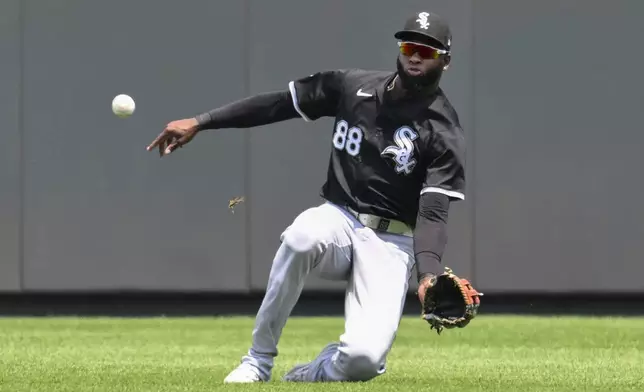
<point>448,301</point>
<point>175,135</point>
<point>423,286</point>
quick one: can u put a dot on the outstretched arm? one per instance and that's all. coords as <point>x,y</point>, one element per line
<point>311,97</point>
<point>257,110</point>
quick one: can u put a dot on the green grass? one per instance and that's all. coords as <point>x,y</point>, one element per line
<point>195,354</point>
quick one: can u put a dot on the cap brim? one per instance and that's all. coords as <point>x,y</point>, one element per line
<point>406,34</point>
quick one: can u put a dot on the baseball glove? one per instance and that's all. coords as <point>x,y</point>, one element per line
<point>450,302</point>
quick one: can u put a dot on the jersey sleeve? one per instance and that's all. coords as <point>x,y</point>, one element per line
<point>317,95</point>
<point>445,172</point>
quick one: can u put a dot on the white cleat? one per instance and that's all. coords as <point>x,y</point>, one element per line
<point>243,374</point>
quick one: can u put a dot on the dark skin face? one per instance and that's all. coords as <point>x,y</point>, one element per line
<point>419,76</point>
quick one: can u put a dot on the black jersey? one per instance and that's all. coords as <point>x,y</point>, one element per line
<point>385,153</point>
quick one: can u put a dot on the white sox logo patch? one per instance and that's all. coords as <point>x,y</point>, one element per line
<point>402,153</point>
<point>422,20</point>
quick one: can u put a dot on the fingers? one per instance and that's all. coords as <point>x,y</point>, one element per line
<point>163,142</point>
<point>178,143</point>
<point>162,146</point>
<point>159,139</point>
<point>170,139</point>
<point>171,147</point>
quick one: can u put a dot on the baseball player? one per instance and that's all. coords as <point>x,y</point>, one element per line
<point>397,162</point>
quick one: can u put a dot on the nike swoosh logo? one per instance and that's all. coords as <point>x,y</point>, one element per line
<point>361,93</point>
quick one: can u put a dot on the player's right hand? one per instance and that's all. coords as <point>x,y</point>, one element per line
<point>175,135</point>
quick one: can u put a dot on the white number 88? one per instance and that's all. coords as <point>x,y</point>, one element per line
<point>348,139</point>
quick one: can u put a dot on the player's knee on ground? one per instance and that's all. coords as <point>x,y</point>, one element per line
<point>362,363</point>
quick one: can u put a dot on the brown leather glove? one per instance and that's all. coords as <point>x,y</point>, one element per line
<point>448,301</point>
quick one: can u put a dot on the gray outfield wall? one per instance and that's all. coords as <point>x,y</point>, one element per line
<point>550,93</point>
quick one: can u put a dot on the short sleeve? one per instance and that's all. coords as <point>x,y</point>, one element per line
<point>317,95</point>
<point>445,172</point>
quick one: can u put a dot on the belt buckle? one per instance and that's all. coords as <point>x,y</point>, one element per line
<point>383,224</point>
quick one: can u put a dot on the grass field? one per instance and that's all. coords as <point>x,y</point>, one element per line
<point>495,353</point>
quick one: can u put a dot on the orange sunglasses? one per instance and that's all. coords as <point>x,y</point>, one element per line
<point>425,51</point>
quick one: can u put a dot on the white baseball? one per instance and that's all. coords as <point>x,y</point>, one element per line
<point>123,105</point>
